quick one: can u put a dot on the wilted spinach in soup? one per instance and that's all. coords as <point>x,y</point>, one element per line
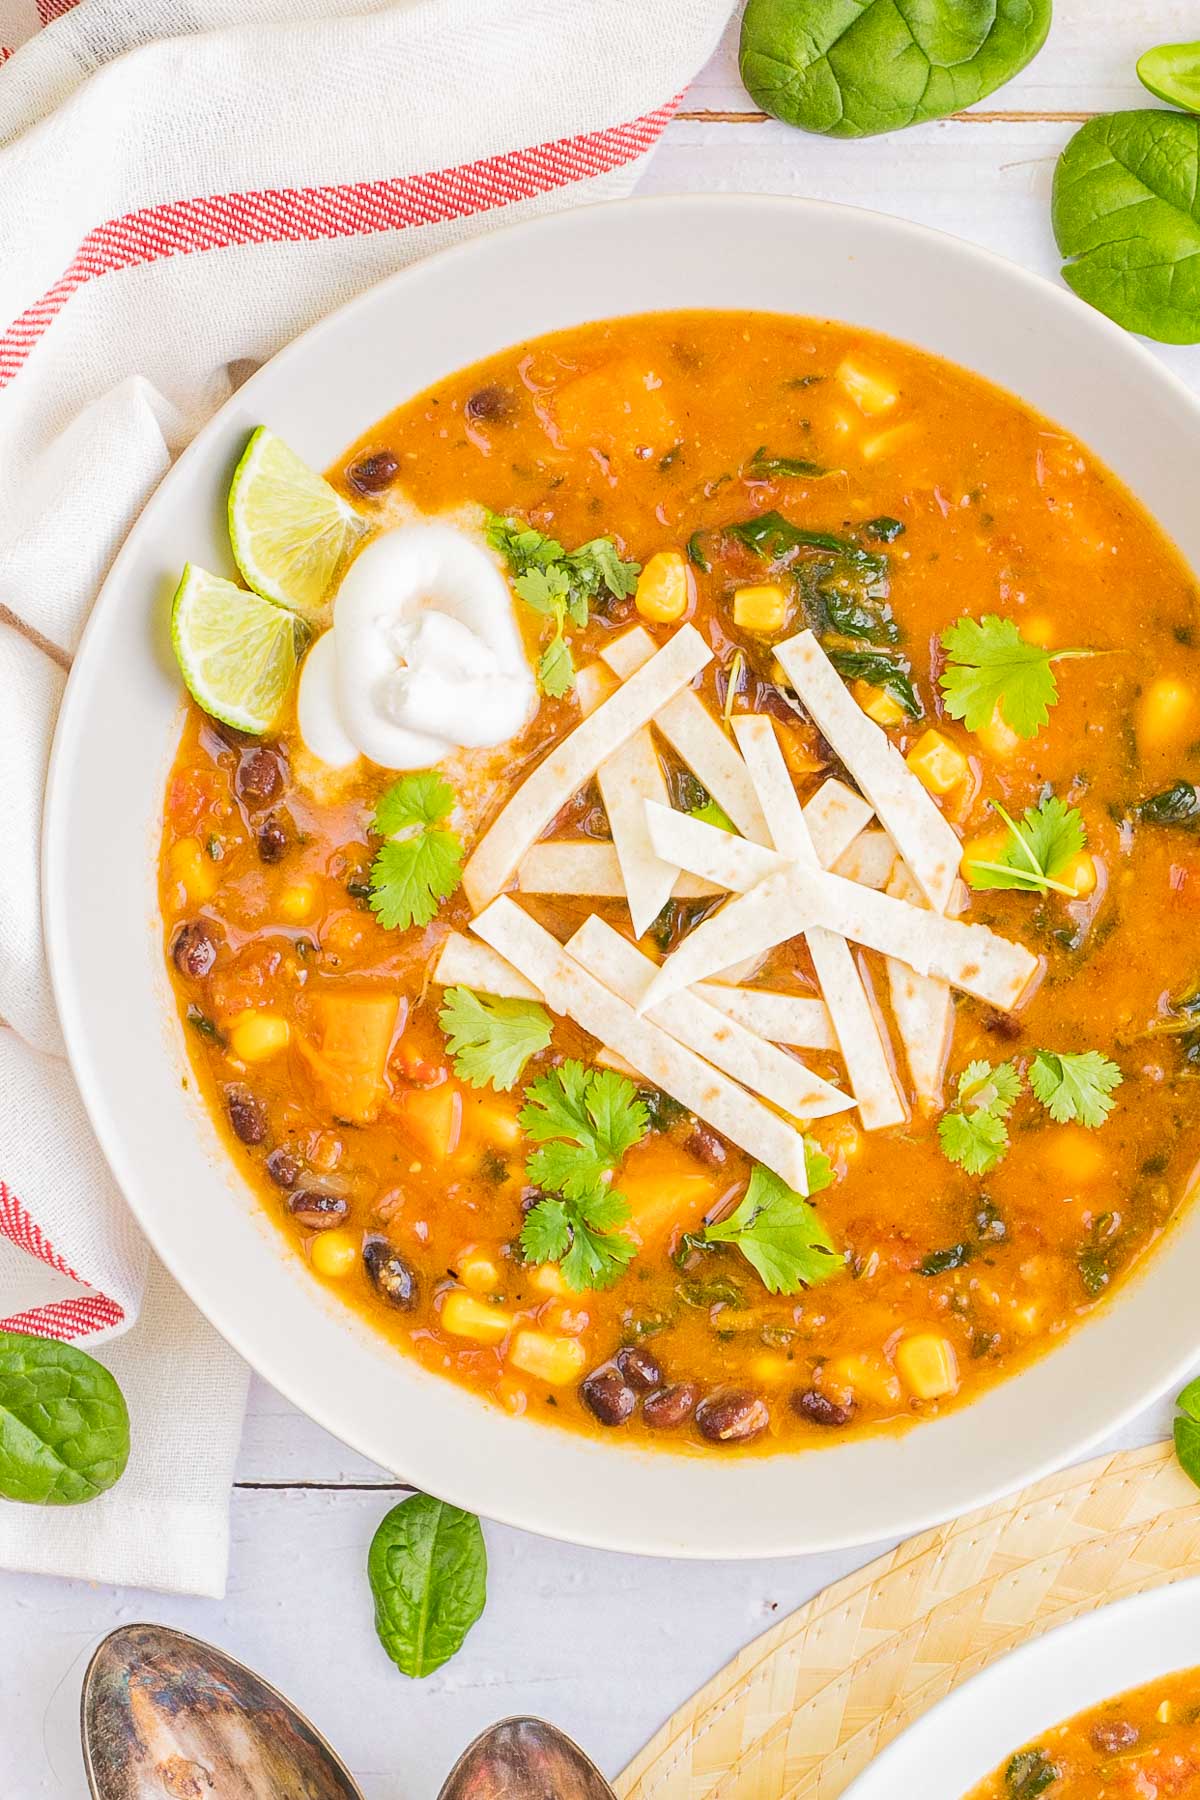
<point>799,599</point>
<point>1143,1745</point>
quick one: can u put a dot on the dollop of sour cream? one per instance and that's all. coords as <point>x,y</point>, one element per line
<point>423,656</point>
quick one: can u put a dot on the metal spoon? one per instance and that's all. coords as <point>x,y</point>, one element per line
<point>166,1717</point>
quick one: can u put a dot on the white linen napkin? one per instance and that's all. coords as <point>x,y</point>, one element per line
<point>184,185</point>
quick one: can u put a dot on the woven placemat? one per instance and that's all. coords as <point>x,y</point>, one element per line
<point>802,1710</point>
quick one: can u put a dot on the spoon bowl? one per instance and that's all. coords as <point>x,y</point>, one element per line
<point>524,1759</point>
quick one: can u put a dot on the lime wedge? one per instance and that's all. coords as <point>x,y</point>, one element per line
<point>291,533</point>
<point>237,653</point>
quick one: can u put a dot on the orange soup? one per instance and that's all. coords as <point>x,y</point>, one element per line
<point>857,712</point>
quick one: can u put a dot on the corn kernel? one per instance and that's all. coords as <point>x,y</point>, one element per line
<point>1164,1713</point>
<point>886,443</point>
<point>464,1316</point>
<point>557,1360</point>
<point>864,1377</point>
<point>927,1364</point>
<point>548,1278</point>
<point>255,1036</point>
<point>477,1271</point>
<point>872,393</point>
<point>1079,874</point>
<point>997,737</point>
<point>664,588</point>
<point>1038,630</point>
<point>1073,1154</point>
<point>762,608</point>
<point>988,847</point>
<point>1165,713</point>
<point>937,764</point>
<point>198,874</point>
<point>878,704</point>
<point>334,1254</point>
<point>771,1370</point>
<point>298,901</point>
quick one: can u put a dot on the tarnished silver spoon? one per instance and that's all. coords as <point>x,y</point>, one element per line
<point>166,1717</point>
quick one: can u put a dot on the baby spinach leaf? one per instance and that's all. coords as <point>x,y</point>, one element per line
<point>1172,73</point>
<point>427,1566</point>
<point>64,1427</point>
<point>1126,213</point>
<point>889,672</point>
<point>850,68</point>
<point>1187,1431</point>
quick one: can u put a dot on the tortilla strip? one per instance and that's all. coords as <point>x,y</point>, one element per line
<point>571,763</point>
<point>572,991</point>
<point>780,1018</point>
<point>589,866</point>
<point>759,1066</point>
<point>861,1038</point>
<point>465,962</point>
<point>869,860</point>
<point>629,777</point>
<point>835,816</point>
<point>925,839</point>
<point>732,864</point>
<point>924,1011</point>
<point>695,735</point>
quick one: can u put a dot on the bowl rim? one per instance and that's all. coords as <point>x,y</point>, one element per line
<point>652,1537</point>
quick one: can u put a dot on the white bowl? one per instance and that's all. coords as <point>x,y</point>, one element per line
<point>977,1727</point>
<point>115,740</point>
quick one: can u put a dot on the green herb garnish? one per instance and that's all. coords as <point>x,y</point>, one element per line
<point>1029,1773</point>
<point>990,665</point>
<point>1040,848</point>
<point>974,1134</point>
<point>779,1232</point>
<point>490,1039</point>
<point>420,865</point>
<point>583,1122</point>
<point>890,672</point>
<point>427,1566</point>
<point>762,467</point>
<point>1075,1085</point>
<point>560,584</point>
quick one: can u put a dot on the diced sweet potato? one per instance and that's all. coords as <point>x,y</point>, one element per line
<point>350,1035</point>
<point>665,1189</point>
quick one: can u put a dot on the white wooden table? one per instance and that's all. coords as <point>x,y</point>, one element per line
<point>607,1646</point>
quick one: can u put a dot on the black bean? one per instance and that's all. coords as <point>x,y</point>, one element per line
<point>283,1168</point>
<point>194,950</point>
<point>705,1146</point>
<point>371,474</point>
<point>1112,1735</point>
<point>639,1368</point>
<point>671,1406</point>
<point>771,699</point>
<point>818,1408</point>
<point>259,777</point>
<point>608,1395</point>
<point>392,1276</point>
<point>316,1210</point>
<point>732,1416</point>
<point>247,1115</point>
<point>492,404</point>
<point>272,840</point>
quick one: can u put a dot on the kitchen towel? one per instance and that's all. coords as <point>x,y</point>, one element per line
<point>185,185</point>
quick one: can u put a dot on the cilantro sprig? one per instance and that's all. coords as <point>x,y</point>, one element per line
<point>420,865</point>
<point>1040,847</point>
<point>974,1133</point>
<point>990,665</point>
<point>1075,1085</point>
<point>583,1121</point>
<point>490,1040</point>
<point>560,584</point>
<point>779,1232</point>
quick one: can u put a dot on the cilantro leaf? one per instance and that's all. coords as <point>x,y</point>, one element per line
<point>421,863</point>
<point>546,1233</point>
<point>974,1135</point>
<point>559,584</point>
<point>582,1237</point>
<point>1075,1085</point>
<point>489,1039</point>
<point>1041,847</point>
<point>779,1233</point>
<point>991,665</point>
<point>597,1109</point>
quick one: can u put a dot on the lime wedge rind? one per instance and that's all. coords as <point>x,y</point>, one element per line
<point>291,532</point>
<point>237,652</point>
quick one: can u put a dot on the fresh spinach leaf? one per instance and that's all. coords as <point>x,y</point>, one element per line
<point>1029,1773</point>
<point>762,467</point>
<point>1126,213</point>
<point>872,621</point>
<point>890,672</point>
<point>850,68</point>
<point>1172,73</point>
<point>885,530</point>
<point>940,1262</point>
<point>1178,804</point>
<point>427,1566</point>
<point>64,1426</point>
<point>775,538</point>
<point>1187,1431</point>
